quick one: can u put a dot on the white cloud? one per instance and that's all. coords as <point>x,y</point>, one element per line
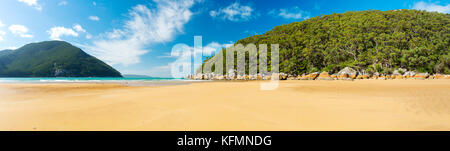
<point>94,18</point>
<point>78,28</point>
<point>20,30</point>
<point>146,26</point>
<point>2,33</point>
<point>33,3</point>
<point>432,7</point>
<point>63,3</point>
<point>115,34</point>
<point>57,32</point>
<point>88,36</point>
<point>290,13</point>
<point>12,48</point>
<point>233,12</point>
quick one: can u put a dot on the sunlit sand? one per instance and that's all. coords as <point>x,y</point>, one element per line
<point>295,105</point>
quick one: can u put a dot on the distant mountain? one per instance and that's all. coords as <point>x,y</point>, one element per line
<point>52,59</point>
<point>5,52</point>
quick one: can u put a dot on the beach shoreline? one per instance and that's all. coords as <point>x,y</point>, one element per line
<point>405,105</point>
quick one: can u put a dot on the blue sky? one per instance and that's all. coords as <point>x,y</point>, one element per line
<point>137,36</point>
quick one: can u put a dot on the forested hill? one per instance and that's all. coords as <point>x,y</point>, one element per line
<point>371,41</point>
<point>52,59</point>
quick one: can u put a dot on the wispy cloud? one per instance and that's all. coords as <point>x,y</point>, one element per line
<point>94,18</point>
<point>63,3</point>
<point>1,24</point>
<point>208,50</point>
<point>20,30</point>
<point>146,26</point>
<point>290,13</point>
<point>32,3</point>
<point>233,12</point>
<point>432,7</point>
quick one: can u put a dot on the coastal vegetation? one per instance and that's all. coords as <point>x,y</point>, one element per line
<point>367,41</point>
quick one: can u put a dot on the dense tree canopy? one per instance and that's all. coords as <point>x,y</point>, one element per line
<point>373,41</point>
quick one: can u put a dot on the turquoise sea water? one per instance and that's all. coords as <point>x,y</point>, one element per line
<point>83,80</point>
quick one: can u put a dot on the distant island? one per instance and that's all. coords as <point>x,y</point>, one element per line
<point>368,43</point>
<point>52,59</point>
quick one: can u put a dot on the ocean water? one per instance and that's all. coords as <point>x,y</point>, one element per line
<point>82,80</point>
<point>124,81</point>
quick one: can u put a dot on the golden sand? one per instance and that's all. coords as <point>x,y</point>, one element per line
<point>295,105</point>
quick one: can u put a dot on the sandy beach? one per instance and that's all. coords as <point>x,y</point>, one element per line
<point>295,105</point>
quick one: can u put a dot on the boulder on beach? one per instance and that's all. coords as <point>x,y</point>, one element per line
<point>421,76</point>
<point>324,76</point>
<point>409,74</point>
<point>311,76</point>
<point>375,75</point>
<point>398,77</point>
<point>267,77</point>
<point>292,78</point>
<point>347,73</point>
<point>389,77</point>
<point>259,77</point>
<point>439,76</point>
<point>397,74</point>
<point>198,77</point>
<point>334,76</point>
<point>240,77</point>
<point>283,76</point>
<point>363,75</point>
<point>399,71</point>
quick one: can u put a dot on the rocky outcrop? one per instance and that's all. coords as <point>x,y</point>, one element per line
<point>345,74</point>
<point>324,76</point>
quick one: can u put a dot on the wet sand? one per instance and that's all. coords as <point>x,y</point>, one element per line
<point>295,105</point>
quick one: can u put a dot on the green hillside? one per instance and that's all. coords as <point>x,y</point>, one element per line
<point>52,59</point>
<point>373,41</point>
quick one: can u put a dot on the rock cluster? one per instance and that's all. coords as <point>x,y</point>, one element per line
<point>345,74</point>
